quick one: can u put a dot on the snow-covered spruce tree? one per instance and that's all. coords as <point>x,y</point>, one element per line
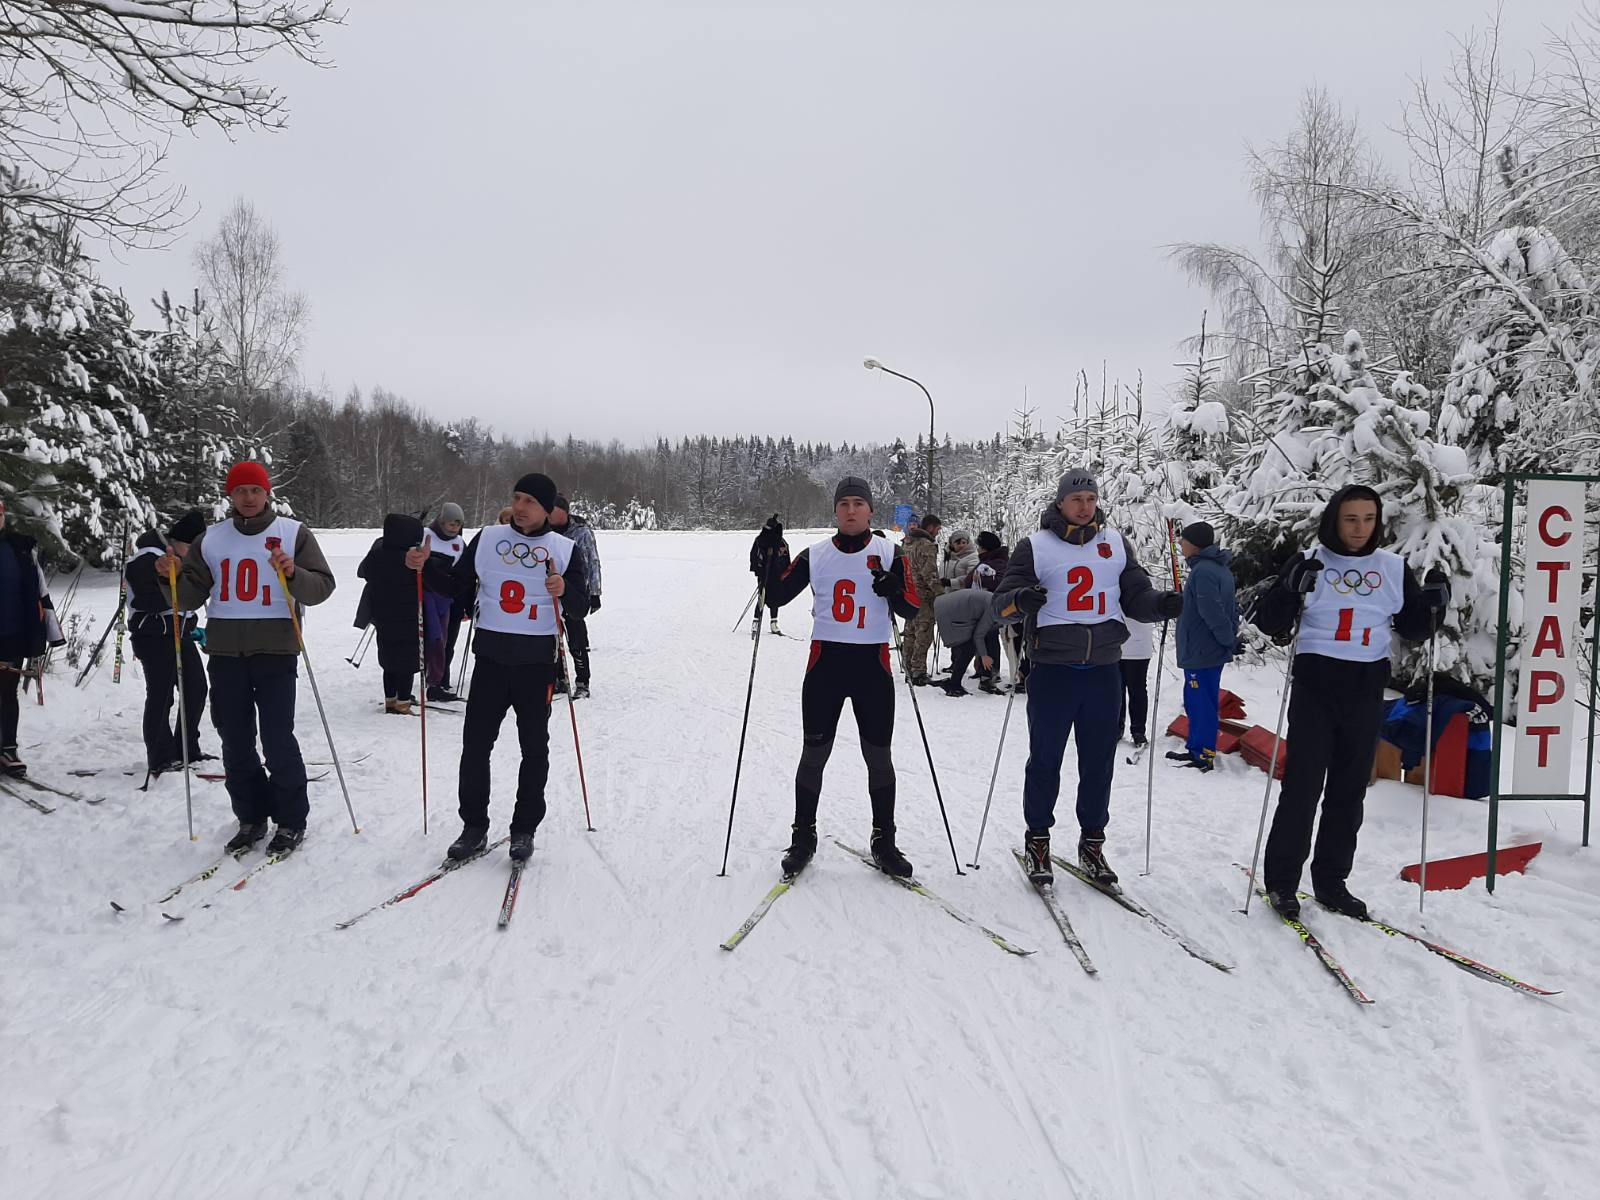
<point>74,374</point>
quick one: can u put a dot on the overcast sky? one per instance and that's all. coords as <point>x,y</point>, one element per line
<point>629,220</point>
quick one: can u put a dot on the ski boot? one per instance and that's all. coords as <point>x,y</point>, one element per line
<point>250,832</point>
<point>286,841</point>
<point>801,849</point>
<point>521,847</point>
<point>1092,858</point>
<point>472,841</point>
<point>1206,762</point>
<point>439,694</point>
<point>987,684</point>
<point>919,679</point>
<point>951,688</point>
<point>580,691</point>
<point>169,767</point>
<point>1036,848</point>
<point>1181,757</point>
<point>10,764</point>
<point>887,855</point>
<point>1336,897</point>
<point>1285,904</point>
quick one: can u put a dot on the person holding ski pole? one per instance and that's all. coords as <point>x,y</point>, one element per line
<point>1207,633</point>
<point>442,613</point>
<point>1348,599</point>
<point>508,568</point>
<point>27,625</point>
<point>252,641</point>
<point>1074,583</point>
<point>857,580</point>
<point>150,626</point>
<point>391,599</point>
<point>570,525</point>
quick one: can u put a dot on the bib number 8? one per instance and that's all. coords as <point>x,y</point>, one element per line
<point>512,597</point>
<point>844,604</point>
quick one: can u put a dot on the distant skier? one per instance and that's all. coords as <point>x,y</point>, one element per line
<point>571,525</point>
<point>232,568</point>
<point>150,629</point>
<point>1357,599</point>
<point>390,598</point>
<point>1074,584</point>
<point>1207,633</point>
<point>857,579</point>
<point>758,560</point>
<point>442,614</point>
<point>518,572</point>
<point>27,625</point>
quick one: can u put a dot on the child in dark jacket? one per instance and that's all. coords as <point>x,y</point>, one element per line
<point>391,600</point>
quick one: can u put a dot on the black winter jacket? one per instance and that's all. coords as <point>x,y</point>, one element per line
<point>390,597</point>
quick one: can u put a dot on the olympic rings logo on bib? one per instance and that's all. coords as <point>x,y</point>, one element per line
<point>520,554</point>
<point>1353,582</point>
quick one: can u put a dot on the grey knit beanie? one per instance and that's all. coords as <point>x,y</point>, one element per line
<point>1079,479</point>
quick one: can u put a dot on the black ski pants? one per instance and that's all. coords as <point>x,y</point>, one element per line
<point>496,689</point>
<point>398,658</point>
<point>1335,711</point>
<point>961,658</point>
<point>250,690</point>
<point>1135,695</point>
<point>837,672</point>
<point>578,646</point>
<point>10,709</point>
<point>152,646</point>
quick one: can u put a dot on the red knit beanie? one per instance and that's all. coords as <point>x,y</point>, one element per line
<point>246,474</point>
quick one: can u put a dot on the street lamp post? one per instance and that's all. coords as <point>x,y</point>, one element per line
<point>873,364</point>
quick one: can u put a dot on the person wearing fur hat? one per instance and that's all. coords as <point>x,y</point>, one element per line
<point>858,581</point>
<point>1352,599</point>
<point>1207,632</point>
<point>570,524</point>
<point>390,598</point>
<point>442,615</point>
<point>960,560</point>
<point>518,572</point>
<point>233,568</point>
<point>150,630</point>
<point>1074,585</point>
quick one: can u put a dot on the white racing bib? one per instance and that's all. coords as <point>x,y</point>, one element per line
<point>451,548</point>
<point>1084,582</point>
<point>844,608</point>
<point>155,552</point>
<point>1349,613</point>
<point>244,585</point>
<point>512,568</point>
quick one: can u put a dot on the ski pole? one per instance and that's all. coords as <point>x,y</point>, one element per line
<point>1153,723</point>
<point>99,647</point>
<point>746,609</point>
<point>359,654</point>
<point>749,693</point>
<point>875,565</point>
<point>122,606</point>
<point>1427,774</point>
<point>422,690</point>
<point>333,753</point>
<point>1272,765</point>
<point>572,705</point>
<point>995,774</point>
<point>466,654</point>
<point>177,659</point>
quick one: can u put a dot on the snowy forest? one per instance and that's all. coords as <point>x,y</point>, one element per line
<point>1423,322</point>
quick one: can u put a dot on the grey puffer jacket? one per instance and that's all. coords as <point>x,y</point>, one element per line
<point>1075,645</point>
<point>964,615</point>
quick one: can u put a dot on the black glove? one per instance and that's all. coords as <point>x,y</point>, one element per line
<point>771,536</point>
<point>594,602</point>
<point>1300,576</point>
<point>1436,591</point>
<point>1169,605</point>
<point>888,585</point>
<point>1030,600</point>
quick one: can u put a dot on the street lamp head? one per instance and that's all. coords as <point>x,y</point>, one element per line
<point>872,364</point>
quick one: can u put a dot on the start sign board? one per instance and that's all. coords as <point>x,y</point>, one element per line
<point>1548,682</point>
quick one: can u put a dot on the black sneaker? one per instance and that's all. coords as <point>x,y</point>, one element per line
<point>250,832</point>
<point>954,689</point>
<point>10,763</point>
<point>888,857</point>
<point>1092,857</point>
<point>1139,741</point>
<point>175,764</point>
<point>919,679</point>
<point>1201,764</point>
<point>472,840</point>
<point>1180,756</point>
<point>286,841</point>
<point>1285,904</point>
<point>200,756</point>
<point>802,847</point>
<point>521,847</point>
<point>439,694</point>
<point>1036,848</point>
<point>990,686</point>
<point>1337,898</point>
<point>580,691</point>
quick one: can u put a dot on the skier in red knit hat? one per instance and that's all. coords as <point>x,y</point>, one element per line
<point>233,568</point>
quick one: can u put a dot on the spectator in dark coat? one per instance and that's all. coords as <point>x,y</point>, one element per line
<point>391,598</point>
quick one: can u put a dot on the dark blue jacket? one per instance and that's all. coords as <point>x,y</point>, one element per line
<point>1209,625</point>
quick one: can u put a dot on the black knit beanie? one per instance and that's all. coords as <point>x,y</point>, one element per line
<point>541,487</point>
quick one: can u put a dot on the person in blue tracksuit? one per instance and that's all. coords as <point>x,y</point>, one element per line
<point>1208,630</point>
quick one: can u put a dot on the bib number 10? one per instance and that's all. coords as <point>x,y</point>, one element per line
<point>845,608</point>
<point>242,581</point>
<point>513,596</point>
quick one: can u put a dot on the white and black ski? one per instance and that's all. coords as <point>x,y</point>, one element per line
<point>513,885</point>
<point>1115,892</point>
<point>911,885</point>
<point>432,877</point>
<point>5,786</point>
<point>1047,893</point>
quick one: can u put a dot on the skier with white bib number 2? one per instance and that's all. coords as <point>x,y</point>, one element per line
<point>1074,584</point>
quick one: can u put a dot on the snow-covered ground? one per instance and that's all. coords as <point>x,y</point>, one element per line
<point>860,1043</point>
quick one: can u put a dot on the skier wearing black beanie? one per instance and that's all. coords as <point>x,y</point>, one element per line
<point>518,572</point>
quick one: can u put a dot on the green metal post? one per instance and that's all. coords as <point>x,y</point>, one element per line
<point>1501,638</point>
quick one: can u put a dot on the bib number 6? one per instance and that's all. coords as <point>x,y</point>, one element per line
<point>844,604</point>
